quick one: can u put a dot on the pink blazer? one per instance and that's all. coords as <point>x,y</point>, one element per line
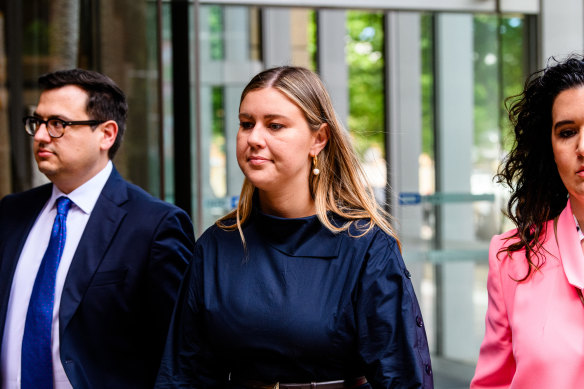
<point>534,335</point>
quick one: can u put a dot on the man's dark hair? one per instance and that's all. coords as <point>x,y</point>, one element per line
<point>106,100</point>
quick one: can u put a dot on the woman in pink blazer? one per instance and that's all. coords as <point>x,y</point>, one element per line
<point>534,334</point>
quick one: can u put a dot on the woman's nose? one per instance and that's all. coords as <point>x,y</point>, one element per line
<point>256,136</point>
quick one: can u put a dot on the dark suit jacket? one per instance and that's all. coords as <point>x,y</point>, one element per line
<point>121,287</point>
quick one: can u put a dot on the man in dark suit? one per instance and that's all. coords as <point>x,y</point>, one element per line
<point>117,258</point>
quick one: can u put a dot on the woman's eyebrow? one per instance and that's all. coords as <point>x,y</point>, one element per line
<point>562,123</point>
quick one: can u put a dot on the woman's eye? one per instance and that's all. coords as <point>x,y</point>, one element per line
<point>275,126</point>
<point>246,125</point>
<point>567,133</point>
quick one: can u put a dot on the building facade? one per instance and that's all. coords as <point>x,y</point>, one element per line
<point>420,85</point>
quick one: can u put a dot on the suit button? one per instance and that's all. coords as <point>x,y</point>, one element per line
<point>408,274</point>
<point>428,370</point>
<point>419,321</point>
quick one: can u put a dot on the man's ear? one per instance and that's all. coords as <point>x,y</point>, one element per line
<point>109,130</point>
<point>320,139</point>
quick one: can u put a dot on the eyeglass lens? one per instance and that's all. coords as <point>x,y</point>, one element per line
<point>55,127</point>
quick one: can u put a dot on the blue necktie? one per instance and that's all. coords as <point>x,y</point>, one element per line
<point>37,365</point>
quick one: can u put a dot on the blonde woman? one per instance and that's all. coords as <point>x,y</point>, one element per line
<point>303,285</point>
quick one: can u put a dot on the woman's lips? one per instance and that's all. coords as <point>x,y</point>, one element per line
<point>257,160</point>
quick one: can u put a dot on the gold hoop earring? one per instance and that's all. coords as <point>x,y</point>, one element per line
<point>315,171</point>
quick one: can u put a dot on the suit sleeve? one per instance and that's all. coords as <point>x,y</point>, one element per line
<point>391,336</point>
<point>171,250</point>
<point>496,364</point>
<point>188,360</point>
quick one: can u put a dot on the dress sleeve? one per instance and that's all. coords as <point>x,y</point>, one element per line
<point>391,336</point>
<point>188,361</point>
<point>496,364</point>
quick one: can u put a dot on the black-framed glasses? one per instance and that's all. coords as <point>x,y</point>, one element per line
<point>55,127</point>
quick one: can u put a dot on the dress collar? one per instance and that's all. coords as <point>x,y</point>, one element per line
<point>297,237</point>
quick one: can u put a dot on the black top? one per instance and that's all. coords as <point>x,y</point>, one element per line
<point>304,305</point>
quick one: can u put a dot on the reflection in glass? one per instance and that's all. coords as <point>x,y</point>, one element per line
<point>217,160</point>
<point>366,122</point>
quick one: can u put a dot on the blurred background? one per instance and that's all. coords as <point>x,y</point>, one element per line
<point>419,84</point>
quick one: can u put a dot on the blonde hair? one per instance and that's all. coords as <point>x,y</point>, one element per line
<point>341,187</point>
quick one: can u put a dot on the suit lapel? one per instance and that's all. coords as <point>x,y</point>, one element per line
<point>22,224</point>
<point>101,228</point>
<point>570,249</point>
<point>22,217</point>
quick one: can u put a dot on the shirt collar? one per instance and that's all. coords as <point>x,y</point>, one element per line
<point>580,233</point>
<point>87,194</point>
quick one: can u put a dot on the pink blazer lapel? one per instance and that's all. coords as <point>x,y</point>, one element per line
<point>570,249</point>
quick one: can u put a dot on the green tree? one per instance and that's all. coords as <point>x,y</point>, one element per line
<point>365,61</point>
<point>499,73</point>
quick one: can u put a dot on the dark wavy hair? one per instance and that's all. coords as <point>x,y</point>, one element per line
<point>106,101</point>
<point>538,193</point>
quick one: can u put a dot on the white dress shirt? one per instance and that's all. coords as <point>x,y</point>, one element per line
<point>84,199</point>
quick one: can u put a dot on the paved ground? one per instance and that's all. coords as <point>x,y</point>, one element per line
<point>445,382</point>
<point>450,374</point>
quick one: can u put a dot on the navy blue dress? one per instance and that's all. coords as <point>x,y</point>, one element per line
<point>302,305</point>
